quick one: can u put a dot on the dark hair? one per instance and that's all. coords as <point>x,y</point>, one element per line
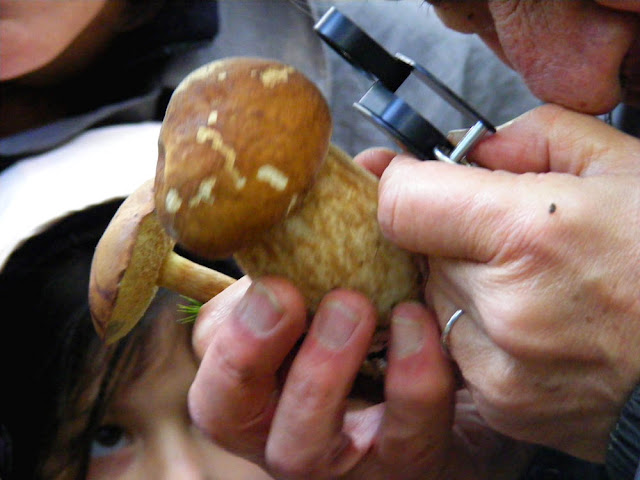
<point>47,332</point>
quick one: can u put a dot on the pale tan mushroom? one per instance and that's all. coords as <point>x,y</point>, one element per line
<point>246,167</point>
<point>132,259</point>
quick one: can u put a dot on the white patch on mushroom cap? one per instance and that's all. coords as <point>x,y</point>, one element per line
<point>213,117</point>
<point>172,201</point>
<point>205,192</point>
<point>273,76</point>
<point>274,177</point>
<point>206,134</point>
<point>241,182</point>
<point>202,72</point>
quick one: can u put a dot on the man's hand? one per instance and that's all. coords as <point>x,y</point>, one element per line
<point>542,252</point>
<point>293,416</point>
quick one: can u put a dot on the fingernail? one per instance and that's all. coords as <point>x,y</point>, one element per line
<point>334,324</point>
<point>259,309</point>
<point>407,336</point>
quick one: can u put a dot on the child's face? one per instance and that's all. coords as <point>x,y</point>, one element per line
<point>147,432</point>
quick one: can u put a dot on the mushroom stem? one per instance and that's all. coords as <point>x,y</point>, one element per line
<point>333,240</point>
<point>191,279</point>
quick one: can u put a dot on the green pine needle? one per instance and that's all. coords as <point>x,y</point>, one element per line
<point>191,310</point>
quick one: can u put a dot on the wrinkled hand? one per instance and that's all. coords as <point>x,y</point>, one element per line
<point>293,417</point>
<point>545,264</point>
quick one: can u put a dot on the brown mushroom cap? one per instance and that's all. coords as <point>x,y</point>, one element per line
<point>240,144</point>
<point>126,265</point>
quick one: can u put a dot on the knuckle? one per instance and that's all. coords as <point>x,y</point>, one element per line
<point>516,319</point>
<point>497,389</point>
<point>206,421</point>
<point>235,365</point>
<point>310,393</point>
<point>507,325</point>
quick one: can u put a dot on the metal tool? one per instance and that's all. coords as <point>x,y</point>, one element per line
<point>382,106</point>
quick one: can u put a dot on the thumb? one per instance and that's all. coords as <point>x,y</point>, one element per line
<point>435,208</point>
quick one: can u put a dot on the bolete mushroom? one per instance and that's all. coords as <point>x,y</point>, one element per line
<point>132,259</point>
<point>246,167</point>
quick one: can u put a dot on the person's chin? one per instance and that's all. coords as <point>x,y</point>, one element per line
<point>586,100</point>
<point>582,90</point>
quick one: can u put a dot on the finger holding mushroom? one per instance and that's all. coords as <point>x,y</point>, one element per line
<point>132,259</point>
<point>246,167</point>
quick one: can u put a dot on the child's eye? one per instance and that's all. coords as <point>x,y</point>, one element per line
<point>108,440</point>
